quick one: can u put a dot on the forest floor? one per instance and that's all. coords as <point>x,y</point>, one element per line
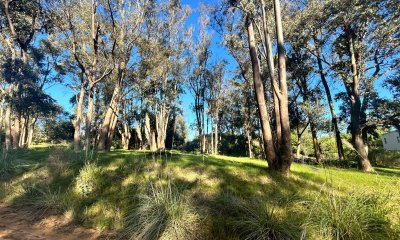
<point>22,223</point>
<point>54,193</point>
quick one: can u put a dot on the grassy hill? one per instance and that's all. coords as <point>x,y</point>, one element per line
<point>140,195</point>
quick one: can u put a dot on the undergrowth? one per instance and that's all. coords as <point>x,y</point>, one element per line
<point>138,196</point>
<point>353,216</point>
<point>161,213</point>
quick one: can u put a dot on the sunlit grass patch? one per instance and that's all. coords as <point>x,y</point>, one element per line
<point>353,216</point>
<point>103,215</point>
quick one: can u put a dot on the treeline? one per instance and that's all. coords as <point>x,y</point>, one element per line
<point>335,55</point>
<point>128,62</point>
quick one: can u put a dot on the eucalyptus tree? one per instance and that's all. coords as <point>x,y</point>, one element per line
<point>277,144</point>
<point>198,81</point>
<point>367,47</point>
<point>83,29</point>
<point>307,30</point>
<point>234,40</point>
<point>20,21</point>
<point>300,68</point>
<point>164,56</point>
<point>356,42</point>
<point>127,19</point>
<point>215,82</point>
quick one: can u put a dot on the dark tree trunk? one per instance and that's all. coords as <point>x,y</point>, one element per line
<point>317,149</point>
<point>353,92</point>
<point>285,146</point>
<point>7,126</point>
<point>338,138</point>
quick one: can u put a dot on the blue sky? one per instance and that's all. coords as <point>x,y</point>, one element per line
<point>62,94</point>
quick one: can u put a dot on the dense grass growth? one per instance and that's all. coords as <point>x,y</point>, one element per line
<point>140,195</point>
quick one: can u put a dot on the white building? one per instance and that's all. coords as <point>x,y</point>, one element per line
<point>391,141</point>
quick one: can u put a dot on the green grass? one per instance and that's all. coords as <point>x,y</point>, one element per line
<point>177,196</point>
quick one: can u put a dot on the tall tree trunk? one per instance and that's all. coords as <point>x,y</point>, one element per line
<point>89,118</point>
<point>162,124</point>
<point>30,131</point>
<point>153,144</point>
<point>271,70</point>
<point>16,129</point>
<point>24,132</point>
<point>285,146</point>
<point>259,92</point>
<point>216,140</point>
<point>173,132</point>
<point>1,119</point>
<point>147,129</point>
<point>212,135</point>
<point>353,91</point>
<point>126,134</point>
<point>7,126</point>
<point>338,138</point>
<point>78,120</point>
<point>203,143</point>
<point>248,138</point>
<point>111,131</point>
<point>150,134</point>
<point>111,111</point>
<point>317,149</point>
<point>298,147</point>
<point>139,135</point>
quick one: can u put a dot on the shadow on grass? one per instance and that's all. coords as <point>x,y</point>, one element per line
<point>388,172</point>
<point>125,175</point>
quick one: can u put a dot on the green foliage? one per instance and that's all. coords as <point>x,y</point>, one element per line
<point>58,131</point>
<point>87,180</point>
<point>353,216</point>
<point>164,212</point>
<point>233,145</point>
<point>383,158</point>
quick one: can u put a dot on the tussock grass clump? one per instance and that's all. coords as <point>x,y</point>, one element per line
<point>163,213</point>
<point>87,180</point>
<point>42,198</point>
<point>5,189</point>
<point>48,200</point>
<point>260,221</point>
<point>354,216</point>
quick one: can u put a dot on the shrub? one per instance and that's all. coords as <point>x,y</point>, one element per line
<point>87,181</point>
<point>351,217</point>
<point>382,157</point>
<point>162,213</point>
